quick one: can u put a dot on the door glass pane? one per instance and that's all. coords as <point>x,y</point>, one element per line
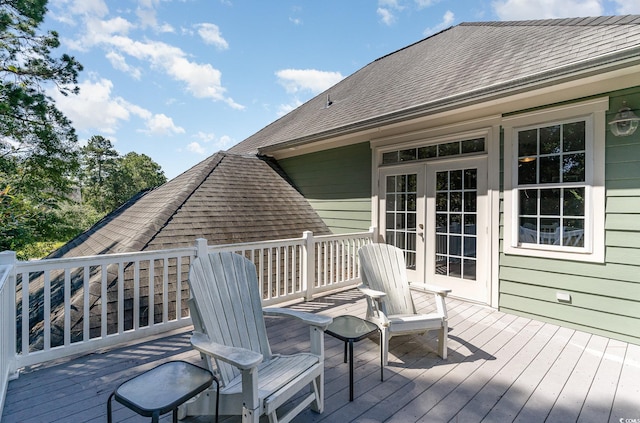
<point>401,204</point>
<point>456,206</point>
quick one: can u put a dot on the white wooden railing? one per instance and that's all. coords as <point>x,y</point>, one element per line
<point>54,307</point>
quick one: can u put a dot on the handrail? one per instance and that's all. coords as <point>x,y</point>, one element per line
<point>60,301</point>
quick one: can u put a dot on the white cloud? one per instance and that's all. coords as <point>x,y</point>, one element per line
<point>315,81</point>
<point>95,109</point>
<point>195,147</point>
<point>421,4</point>
<point>386,16</point>
<point>627,7</point>
<point>447,20</point>
<point>146,13</point>
<point>118,62</point>
<point>161,124</point>
<point>210,34</point>
<point>205,136</point>
<point>546,9</point>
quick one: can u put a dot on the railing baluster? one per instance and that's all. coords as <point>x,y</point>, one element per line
<point>85,304</point>
<point>120,297</point>
<point>136,295</point>
<point>67,307</point>
<point>104,301</point>
<point>165,291</point>
<point>178,287</point>
<point>47,310</point>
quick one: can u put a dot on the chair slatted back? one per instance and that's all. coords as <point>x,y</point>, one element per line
<point>227,297</point>
<point>383,268</point>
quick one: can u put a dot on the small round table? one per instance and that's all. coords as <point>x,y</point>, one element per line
<point>162,389</point>
<point>352,329</point>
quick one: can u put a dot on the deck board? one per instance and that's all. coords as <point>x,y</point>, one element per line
<point>501,368</point>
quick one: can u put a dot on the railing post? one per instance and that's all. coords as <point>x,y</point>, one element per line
<point>308,262</point>
<point>201,247</point>
<point>8,310</point>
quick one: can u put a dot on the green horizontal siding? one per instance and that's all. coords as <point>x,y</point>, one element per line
<point>337,184</point>
<point>605,297</point>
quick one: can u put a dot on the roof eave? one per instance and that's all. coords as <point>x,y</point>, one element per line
<point>574,71</point>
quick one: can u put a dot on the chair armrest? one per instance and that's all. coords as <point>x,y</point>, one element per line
<point>371,292</point>
<point>431,288</point>
<point>312,319</point>
<point>241,358</point>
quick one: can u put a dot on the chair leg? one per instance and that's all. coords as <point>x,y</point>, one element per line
<point>318,387</point>
<point>384,342</point>
<point>442,341</point>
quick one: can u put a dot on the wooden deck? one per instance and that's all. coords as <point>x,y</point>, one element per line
<point>501,368</point>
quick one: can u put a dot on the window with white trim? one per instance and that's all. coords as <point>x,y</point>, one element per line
<point>554,193</point>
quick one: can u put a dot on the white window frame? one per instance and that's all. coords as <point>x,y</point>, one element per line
<point>593,113</point>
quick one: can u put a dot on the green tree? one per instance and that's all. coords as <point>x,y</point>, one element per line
<point>38,145</point>
<point>109,180</point>
<point>34,134</point>
<point>99,161</point>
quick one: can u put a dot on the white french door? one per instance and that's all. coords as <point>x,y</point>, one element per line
<point>437,212</point>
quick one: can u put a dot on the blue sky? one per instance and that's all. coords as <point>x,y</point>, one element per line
<point>179,80</point>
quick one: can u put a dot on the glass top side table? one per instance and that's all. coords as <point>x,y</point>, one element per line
<point>352,329</point>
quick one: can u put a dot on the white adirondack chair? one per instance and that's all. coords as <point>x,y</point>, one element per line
<point>389,301</point>
<point>230,330</point>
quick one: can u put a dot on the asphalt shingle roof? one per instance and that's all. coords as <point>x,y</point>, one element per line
<point>225,199</point>
<point>458,64</point>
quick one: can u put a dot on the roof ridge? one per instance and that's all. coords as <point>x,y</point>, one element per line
<point>180,200</point>
<point>575,21</point>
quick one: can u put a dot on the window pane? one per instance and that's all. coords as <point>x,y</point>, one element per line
<point>550,140</point>
<point>391,204</point>
<point>391,183</point>
<point>529,201</point>
<point>455,223</point>
<point>469,246</point>
<point>441,244</point>
<point>442,181</point>
<point>528,143</point>
<point>549,170</point>
<point>408,155</point>
<point>573,135</point>
<point>573,168</point>
<point>442,222</point>
<point>400,221</point>
<point>455,245</point>
<point>573,233</point>
<point>527,172</point>
<point>470,224</point>
<point>411,221</point>
<point>427,152</point>
<point>411,202</point>
<point>455,179</point>
<point>454,267</point>
<point>473,146</point>
<point>442,201</point>
<point>455,204</point>
<point>391,220</point>
<point>390,157</point>
<point>469,269</point>
<point>528,230</point>
<point>401,183</point>
<point>573,202</point>
<point>550,202</point>
<point>400,202</point>
<point>470,205</point>
<point>549,231</point>
<point>412,183</point>
<point>471,179</point>
<point>449,149</point>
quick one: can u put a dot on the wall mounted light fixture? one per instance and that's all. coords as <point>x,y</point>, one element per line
<point>625,122</point>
